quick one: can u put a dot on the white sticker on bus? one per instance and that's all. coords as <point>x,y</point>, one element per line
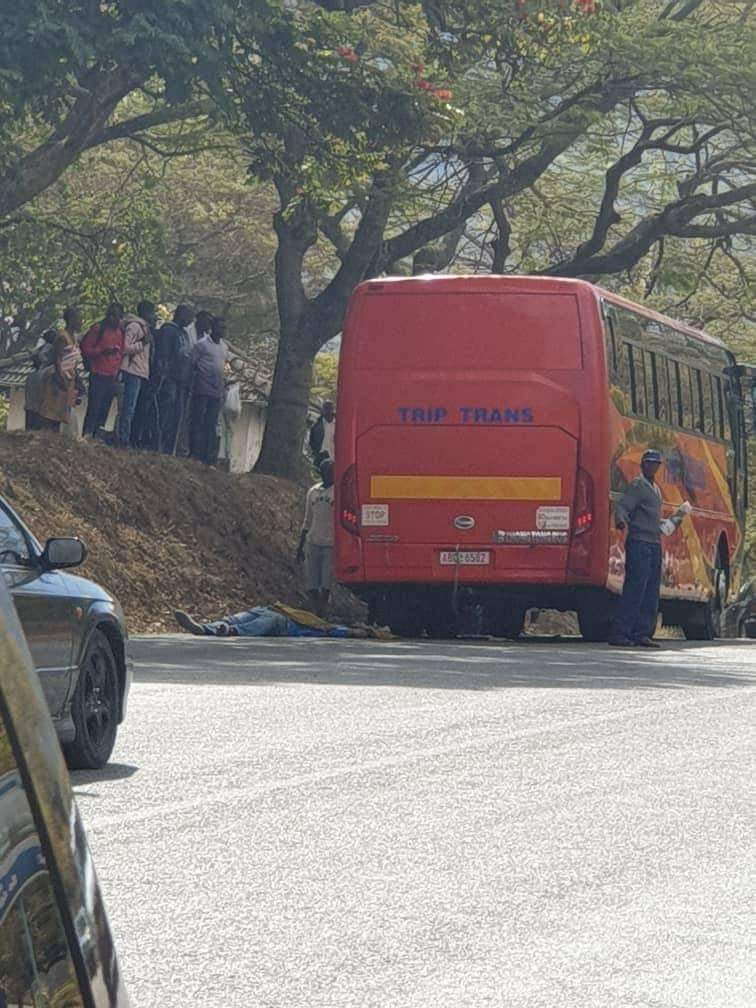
<point>553,519</point>
<point>375,514</point>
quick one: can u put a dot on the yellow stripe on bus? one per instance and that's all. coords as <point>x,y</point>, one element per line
<point>535,488</point>
<point>719,479</point>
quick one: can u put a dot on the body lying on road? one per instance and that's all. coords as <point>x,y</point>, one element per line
<point>271,621</point>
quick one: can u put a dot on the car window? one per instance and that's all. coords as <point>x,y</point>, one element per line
<point>14,547</point>
<point>35,964</point>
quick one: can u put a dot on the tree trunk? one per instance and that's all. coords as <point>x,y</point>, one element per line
<point>281,452</point>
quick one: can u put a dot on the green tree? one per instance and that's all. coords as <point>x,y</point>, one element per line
<point>391,131</point>
<point>607,140</point>
<point>326,370</point>
<point>92,237</point>
<point>128,222</point>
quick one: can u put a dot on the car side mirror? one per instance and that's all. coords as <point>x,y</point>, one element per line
<point>61,553</point>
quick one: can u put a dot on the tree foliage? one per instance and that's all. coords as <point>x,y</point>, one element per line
<point>509,103</point>
<point>611,140</point>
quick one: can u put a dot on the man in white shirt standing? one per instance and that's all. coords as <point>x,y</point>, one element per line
<point>316,541</point>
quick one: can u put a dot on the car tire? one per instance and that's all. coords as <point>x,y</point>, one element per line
<point>95,706</point>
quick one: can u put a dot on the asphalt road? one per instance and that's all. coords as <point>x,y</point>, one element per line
<point>327,824</point>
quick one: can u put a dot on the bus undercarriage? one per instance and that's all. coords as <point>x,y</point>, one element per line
<point>444,611</point>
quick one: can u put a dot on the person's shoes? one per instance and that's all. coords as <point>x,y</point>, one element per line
<point>620,642</point>
<point>186,622</point>
<point>646,642</point>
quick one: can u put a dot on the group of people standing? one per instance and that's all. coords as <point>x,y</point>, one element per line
<point>170,381</point>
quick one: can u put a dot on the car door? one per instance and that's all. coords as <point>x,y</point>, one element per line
<point>56,947</point>
<point>44,606</point>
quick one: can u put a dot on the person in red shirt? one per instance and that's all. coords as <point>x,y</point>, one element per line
<point>102,349</point>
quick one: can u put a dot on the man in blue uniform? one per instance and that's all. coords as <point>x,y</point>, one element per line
<point>640,511</point>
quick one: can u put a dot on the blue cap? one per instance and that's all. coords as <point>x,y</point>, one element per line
<point>652,455</point>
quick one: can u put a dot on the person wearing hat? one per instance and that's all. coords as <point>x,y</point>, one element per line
<point>640,512</point>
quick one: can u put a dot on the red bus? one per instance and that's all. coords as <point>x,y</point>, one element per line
<point>486,425</point>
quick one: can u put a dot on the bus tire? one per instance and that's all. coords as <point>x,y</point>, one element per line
<point>440,623</point>
<point>595,623</point>
<point>697,623</point>
<point>406,616</point>
<point>704,619</point>
<point>508,622</point>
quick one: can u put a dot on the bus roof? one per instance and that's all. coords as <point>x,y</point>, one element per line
<point>482,283</point>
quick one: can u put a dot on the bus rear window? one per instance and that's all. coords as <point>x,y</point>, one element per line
<point>509,332</point>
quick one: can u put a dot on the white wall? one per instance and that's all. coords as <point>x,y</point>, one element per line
<point>17,415</point>
<point>246,431</point>
<point>246,438</point>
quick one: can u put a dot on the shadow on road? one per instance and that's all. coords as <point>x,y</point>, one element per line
<point>460,665</point>
<point>110,772</point>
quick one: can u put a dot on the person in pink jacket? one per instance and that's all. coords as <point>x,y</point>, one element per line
<point>135,366</point>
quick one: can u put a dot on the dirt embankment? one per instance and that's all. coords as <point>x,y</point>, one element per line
<point>162,533</point>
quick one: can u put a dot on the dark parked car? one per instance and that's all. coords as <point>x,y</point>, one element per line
<point>77,637</point>
<point>740,617</point>
<point>56,948</point>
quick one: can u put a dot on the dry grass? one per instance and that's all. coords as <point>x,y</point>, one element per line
<point>162,533</point>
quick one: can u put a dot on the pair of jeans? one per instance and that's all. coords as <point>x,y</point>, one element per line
<point>258,622</point>
<point>202,437</point>
<point>99,400</point>
<point>263,621</point>
<point>169,412</point>
<point>639,605</point>
<point>132,387</point>
<point>144,426</point>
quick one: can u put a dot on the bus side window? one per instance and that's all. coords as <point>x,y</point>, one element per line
<point>698,420</point>
<point>610,340</point>
<point>651,401</point>
<point>726,428</point>
<point>674,394</point>
<point>623,370</point>
<point>660,386</point>
<point>707,404</point>
<point>716,395</point>
<point>685,396</point>
<point>632,356</point>
<point>638,376</point>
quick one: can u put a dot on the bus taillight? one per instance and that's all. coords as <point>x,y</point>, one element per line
<point>349,505</point>
<point>583,503</point>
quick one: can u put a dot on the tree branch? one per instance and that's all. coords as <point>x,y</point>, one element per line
<point>158,117</point>
<point>674,220</point>
<point>562,136</point>
<point>87,117</point>
<point>501,246</point>
<point>329,306</point>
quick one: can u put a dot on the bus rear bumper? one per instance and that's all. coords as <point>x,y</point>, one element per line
<point>531,595</point>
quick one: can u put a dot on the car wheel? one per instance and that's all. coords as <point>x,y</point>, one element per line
<point>95,706</point>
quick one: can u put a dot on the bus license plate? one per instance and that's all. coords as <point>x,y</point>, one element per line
<point>465,558</point>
